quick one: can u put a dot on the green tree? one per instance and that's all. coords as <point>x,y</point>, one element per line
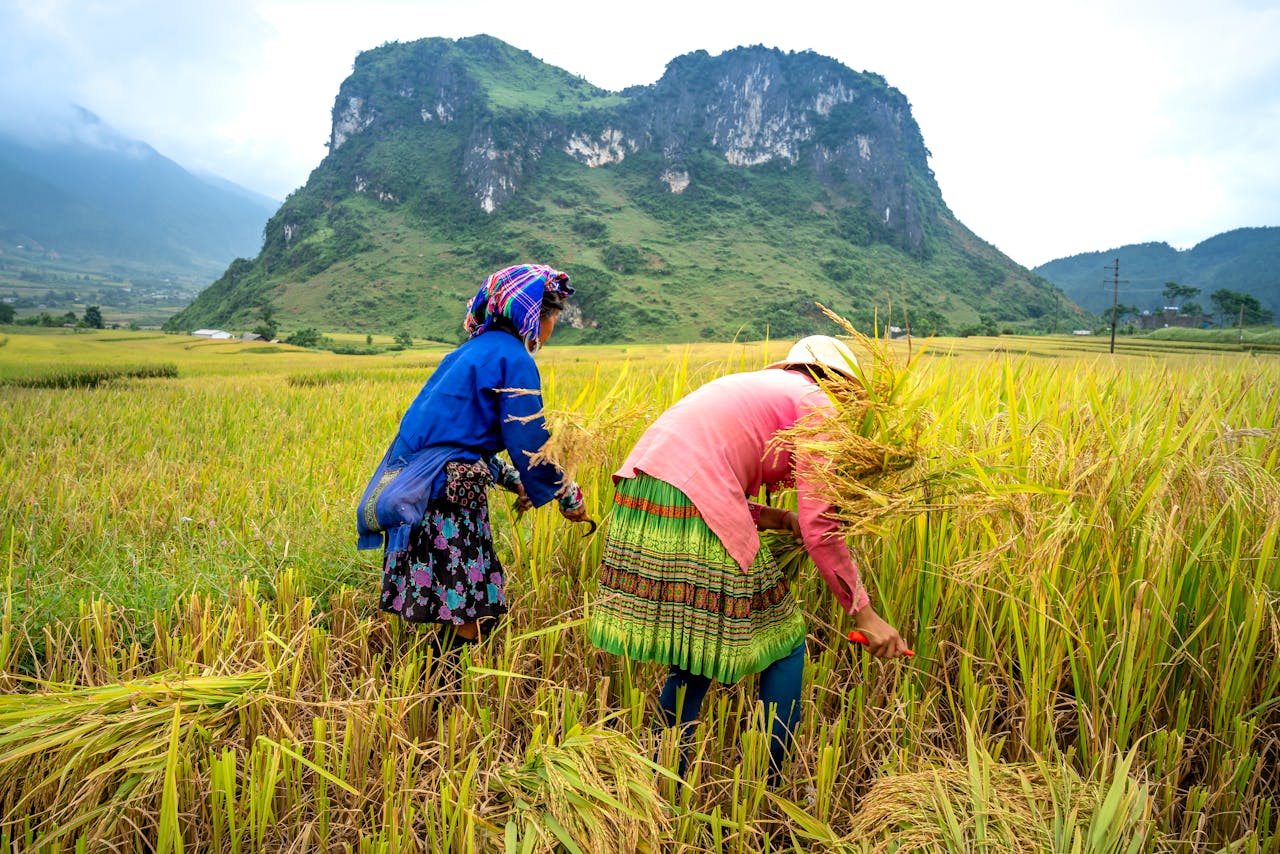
<point>1234,307</point>
<point>589,227</point>
<point>6,313</point>
<point>622,259</point>
<point>93,317</point>
<point>404,339</point>
<point>930,321</point>
<point>1176,294</point>
<point>267,326</point>
<point>1121,311</point>
<point>309,337</point>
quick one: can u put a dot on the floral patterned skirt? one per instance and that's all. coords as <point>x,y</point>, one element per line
<point>449,572</point>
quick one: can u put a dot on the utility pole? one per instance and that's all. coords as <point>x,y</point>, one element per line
<point>1115,303</point>
<point>1116,282</point>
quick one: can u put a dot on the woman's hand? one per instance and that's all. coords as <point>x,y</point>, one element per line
<point>777,519</point>
<point>523,501</point>
<point>883,639</point>
<point>579,515</point>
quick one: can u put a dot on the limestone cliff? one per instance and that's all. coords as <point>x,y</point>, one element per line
<point>752,106</point>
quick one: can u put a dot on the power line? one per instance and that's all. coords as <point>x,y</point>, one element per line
<point>1106,285</point>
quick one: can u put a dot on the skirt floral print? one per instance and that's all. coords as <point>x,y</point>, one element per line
<point>449,572</point>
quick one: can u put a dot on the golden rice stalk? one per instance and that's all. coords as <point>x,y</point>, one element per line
<point>74,756</point>
<point>592,792</point>
<point>585,432</point>
<point>879,456</point>
<point>867,459</point>
<point>982,804</point>
<point>789,554</point>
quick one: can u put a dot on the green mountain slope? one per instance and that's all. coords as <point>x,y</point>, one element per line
<point>723,200</point>
<point>84,191</point>
<point>1246,260</point>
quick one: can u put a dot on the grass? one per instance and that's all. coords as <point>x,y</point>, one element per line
<point>190,654</point>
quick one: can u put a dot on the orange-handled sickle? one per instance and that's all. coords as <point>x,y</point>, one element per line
<point>858,637</point>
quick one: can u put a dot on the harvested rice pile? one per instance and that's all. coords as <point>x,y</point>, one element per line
<point>983,804</point>
<point>592,792</point>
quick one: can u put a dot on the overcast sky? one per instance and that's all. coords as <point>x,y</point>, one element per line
<point>1056,128</point>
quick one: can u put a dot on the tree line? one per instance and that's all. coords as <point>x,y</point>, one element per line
<point>1231,308</point>
<point>92,318</point>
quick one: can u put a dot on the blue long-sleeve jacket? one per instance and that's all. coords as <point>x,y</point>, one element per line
<point>485,397</point>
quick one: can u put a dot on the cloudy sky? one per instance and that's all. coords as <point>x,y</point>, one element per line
<point>1056,128</point>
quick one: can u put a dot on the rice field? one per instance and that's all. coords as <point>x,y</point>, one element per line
<point>191,658</point>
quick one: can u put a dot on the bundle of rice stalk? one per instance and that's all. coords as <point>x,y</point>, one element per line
<point>592,792</point>
<point>585,432</point>
<point>868,457</point>
<point>983,804</point>
<point>71,758</point>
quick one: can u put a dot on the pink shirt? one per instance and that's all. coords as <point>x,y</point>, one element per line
<point>714,446</point>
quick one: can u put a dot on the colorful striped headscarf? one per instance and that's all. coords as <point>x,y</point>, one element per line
<point>516,294</point>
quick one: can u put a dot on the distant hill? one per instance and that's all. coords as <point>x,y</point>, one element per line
<point>78,190</point>
<point>1246,260</point>
<point>723,200</point>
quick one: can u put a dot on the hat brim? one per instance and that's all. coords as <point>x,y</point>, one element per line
<point>844,372</point>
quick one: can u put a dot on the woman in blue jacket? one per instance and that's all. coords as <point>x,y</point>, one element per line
<point>426,504</point>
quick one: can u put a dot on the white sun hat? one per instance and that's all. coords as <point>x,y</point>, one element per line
<point>822,351</point>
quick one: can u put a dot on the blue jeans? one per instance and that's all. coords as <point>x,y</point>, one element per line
<point>779,689</point>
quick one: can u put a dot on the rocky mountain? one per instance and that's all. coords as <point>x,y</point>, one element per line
<point>1246,260</point>
<point>722,200</point>
<point>76,187</point>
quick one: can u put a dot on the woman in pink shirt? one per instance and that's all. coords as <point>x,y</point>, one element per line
<point>685,581</point>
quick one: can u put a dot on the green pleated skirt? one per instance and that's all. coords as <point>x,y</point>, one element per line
<point>669,592</point>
